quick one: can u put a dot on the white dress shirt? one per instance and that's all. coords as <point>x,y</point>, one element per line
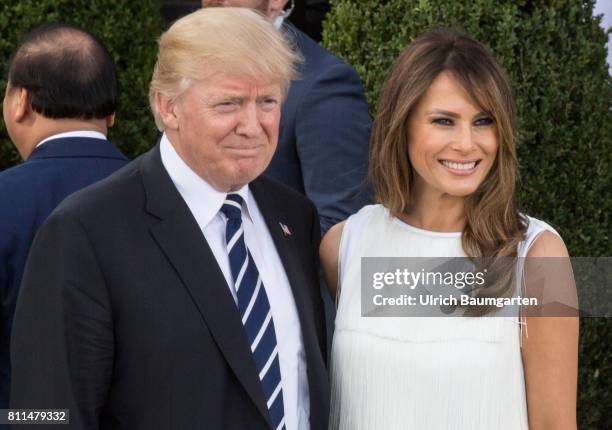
<point>77,133</point>
<point>205,203</point>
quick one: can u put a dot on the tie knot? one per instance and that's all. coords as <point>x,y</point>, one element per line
<point>232,207</point>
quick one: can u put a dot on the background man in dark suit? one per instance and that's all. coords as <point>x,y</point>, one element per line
<point>325,125</point>
<point>59,101</point>
<point>182,292</point>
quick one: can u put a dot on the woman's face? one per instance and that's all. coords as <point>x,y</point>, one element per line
<point>452,143</point>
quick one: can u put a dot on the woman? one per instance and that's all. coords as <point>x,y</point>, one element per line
<point>443,167</point>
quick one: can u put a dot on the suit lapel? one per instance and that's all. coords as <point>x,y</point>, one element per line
<point>284,242</point>
<point>180,238</point>
<point>303,292</point>
<point>286,246</point>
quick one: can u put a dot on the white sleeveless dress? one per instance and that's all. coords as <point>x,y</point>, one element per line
<point>420,373</point>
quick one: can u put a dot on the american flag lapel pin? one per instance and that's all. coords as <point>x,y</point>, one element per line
<point>285,229</point>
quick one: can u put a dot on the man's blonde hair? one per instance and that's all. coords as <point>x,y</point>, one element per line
<point>220,40</point>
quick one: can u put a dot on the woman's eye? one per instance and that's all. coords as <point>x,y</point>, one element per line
<point>483,121</point>
<point>442,121</point>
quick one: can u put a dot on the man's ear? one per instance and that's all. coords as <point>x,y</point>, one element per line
<point>110,120</point>
<point>275,8</point>
<point>22,105</point>
<point>166,109</point>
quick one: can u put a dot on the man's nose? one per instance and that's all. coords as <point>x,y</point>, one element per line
<point>249,124</point>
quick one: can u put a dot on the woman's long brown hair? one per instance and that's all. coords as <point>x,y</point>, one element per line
<point>494,227</point>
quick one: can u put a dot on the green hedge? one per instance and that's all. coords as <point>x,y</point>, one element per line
<point>555,58</point>
<point>554,53</point>
<point>128,28</point>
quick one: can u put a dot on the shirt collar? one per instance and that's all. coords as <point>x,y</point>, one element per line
<point>76,133</point>
<point>278,22</point>
<point>204,201</point>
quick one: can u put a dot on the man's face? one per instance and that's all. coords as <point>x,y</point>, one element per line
<point>225,128</point>
<point>261,5</point>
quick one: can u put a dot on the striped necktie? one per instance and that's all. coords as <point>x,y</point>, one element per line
<point>254,310</point>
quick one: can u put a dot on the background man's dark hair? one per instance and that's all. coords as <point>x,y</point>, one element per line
<point>67,72</point>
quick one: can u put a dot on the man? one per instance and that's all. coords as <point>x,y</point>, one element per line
<point>60,99</point>
<point>325,125</point>
<point>182,292</point>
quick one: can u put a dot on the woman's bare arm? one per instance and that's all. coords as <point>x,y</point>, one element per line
<point>329,252</point>
<point>550,357</point>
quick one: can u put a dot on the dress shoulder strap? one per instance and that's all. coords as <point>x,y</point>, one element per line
<point>534,229</point>
<point>351,240</point>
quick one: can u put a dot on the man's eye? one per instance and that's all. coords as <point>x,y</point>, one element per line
<point>442,121</point>
<point>225,106</point>
<point>269,103</point>
<point>484,121</point>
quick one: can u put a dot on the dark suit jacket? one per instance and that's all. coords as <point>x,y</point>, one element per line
<point>325,126</point>
<point>125,317</point>
<point>30,191</point>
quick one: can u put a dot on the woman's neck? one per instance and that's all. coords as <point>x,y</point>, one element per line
<point>441,213</point>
